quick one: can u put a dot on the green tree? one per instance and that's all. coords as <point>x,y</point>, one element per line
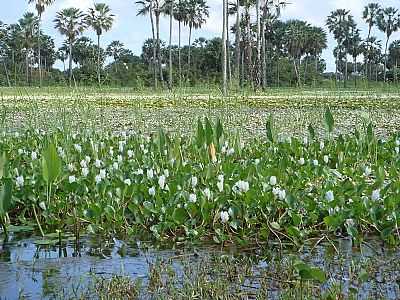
<point>70,22</point>
<point>388,23</point>
<point>100,19</point>
<point>40,6</point>
<point>28,24</point>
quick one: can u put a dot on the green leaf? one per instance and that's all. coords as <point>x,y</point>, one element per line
<point>269,129</point>
<point>200,134</point>
<point>218,130</point>
<point>51,164</point>
<point>180,215</point>
<point>329,121</point>
<point>311,131</point>
<point>317,274</point>
<point>5,197</point>
<point>3,165</point>
<point>209,132</point>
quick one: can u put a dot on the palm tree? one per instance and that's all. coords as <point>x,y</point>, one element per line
<point>388,23</point>
<point>317,45</point>
<point>224,34</point>
<point>337,23</point>
<point>100,19</point>
<point>372,51</point>
<point>394,55</point>
<point>28,24</point>
<point>114,50</point>
<point>370,14</point>
<point>70,22</point>
<point>40,6</point>
<point>196,15</point>
<point>147,8</point>
<point>168,9</point>
<point>180,16</point>
<point>4,49</point>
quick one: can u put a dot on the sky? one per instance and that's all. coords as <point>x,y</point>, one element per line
<point>132,30</point>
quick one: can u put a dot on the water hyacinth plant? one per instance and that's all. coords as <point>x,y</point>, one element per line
<point>175,187</point>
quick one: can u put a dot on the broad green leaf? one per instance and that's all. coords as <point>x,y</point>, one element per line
<point>200,134</point>
<point>3,165</point>
<point>180,215</point>
<point>209,132</point>
<point>269,129</point>
<point>51,164</point>
<point>311,131</point>
<point>329,121</point>
<point>5,197</point>
<point>218,130</point>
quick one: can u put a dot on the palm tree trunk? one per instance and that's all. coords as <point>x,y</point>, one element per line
<point>224,48</point>
<point>316,70</point>
<point>154,48</point>
<point>386,47</point>
<point>6,70</point>
<point>158,45</point>
<point>237,69</point>
<point>27,66</point>
<point>179,54</point>
<point>190,46</point>
<point>369,50</point>
<point>258,62</point>
<point>305,69</point>
<point>345,71</point>
<point>355,71</point>
<point>228,52</point>
<point>395,71</point>
<point>171,13</point>
<point>70,63</point>
<point>98,60</point>
<point>15,68</point>
<point>39,49</point>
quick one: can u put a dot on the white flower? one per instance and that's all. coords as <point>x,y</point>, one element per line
<point>127,182</point>
<point>272,180</point>
<point>33,155</point>
<point>275,191</point>
<point>397,149</point>
<point>78,148</point>
<point>161,181</point>
<point>350,222</point>
<point>376,195</point>
<point>220,186</point>
<point>321,145</point>
<point>207,193</point>
<point>130,153</point>
<point>326,159</point>
<point>224,215</point>
<point>193,181</point>
<point>192,198</point>
<point>230,152</point>
<point>20,181</point>
<point>166,173</point>
<point>241,187</point>
<point>98,179</point>
<point>61,152</point>
<point>257,161</point>
<point>367,171</point>
<point>83,164</point>
<point>139,172</point>
<point>119,158</point>
<point>121,145</point>
<point>115,166</point>
<point>111,152</point>
<point>282,195</point>
<point>305,140</point>
<point>87,159</point>
<point>301,161</point>
<point>221,177</point>
<point>71,179</point>
<point>20,151</point>
<point>85,172</point>
<point>98,163</point>
<point>152,191</point>
<point>150,173</point>
<point>103,173</point>
<point>71,167</point>
<point>315,162</point>
<point>329,196</point>
<point>42,205</point>
<point>397,142</point>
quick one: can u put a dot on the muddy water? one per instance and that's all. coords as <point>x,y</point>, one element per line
<point>29,270</point>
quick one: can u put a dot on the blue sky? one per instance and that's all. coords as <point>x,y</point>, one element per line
<point>133,30</point>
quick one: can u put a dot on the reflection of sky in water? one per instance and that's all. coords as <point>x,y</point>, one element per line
<point>29,271</point>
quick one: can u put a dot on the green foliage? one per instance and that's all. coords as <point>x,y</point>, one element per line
<point>51,164</point>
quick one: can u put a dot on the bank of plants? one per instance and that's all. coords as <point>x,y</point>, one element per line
<point>207,186</point>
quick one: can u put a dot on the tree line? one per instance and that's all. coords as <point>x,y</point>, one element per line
<point>265,51</point>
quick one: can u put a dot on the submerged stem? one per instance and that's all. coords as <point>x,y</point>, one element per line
<point>37,220</point>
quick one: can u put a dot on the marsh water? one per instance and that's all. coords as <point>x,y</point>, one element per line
<point>33,268</point>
